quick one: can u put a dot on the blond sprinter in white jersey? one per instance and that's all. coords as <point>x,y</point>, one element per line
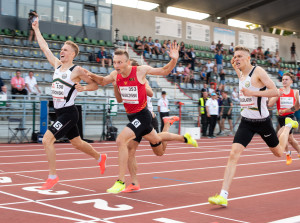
<point>65,84</point>
<point>255,86</point>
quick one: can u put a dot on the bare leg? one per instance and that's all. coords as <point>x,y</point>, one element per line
<point>132,164</point>
<point>85,147</point>
<point>294,143</point>
<point>230,124</point>
<point>48,142</point>
<point>235,154</point>
<point>283,140</point>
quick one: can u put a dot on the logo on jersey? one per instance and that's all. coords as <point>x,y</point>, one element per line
<point>64,76</point>
<point>132,79</point>
<point>136,123</point>
<point>57,125</point>
<point>247,84</point>
<point>125,82</point>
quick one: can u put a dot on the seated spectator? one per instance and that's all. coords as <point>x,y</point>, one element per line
<point>103,58</point>
<point>209,68</point>
<point>254,53</point>
<point>31,84</point>
<point>298,74</point>
<point>18,85</point>
<point>182,50</point>
<point>280,74</point>
<point>267,53</point>
<point>222,78</point>
<point>231,49</point>
<point>253,63</point>
<point>3,90</point>
<point>260,53</point>
<point>291,71</point>
<point>219,61</point>
<point>138,45</point>
<point>219,46</point>
<point>191,57</point>
<point>203,73</point>
<point>179,71</point>
<point>92,57</point>
<point>213,47</point>
<point>235,95</point>
<point>150,45</point>
<point>214,77</point>
<point>1,84</point>
<point>168,44</point>
<point>187,73</point>
<point>164,46</point>
<point>277,57</point>
<point>272,61</point>
<point>212,88</point>
<point>157,48</point>
<point>205,88</point>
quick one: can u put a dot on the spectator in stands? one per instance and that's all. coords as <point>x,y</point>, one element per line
<point>298,74</point>
<point>157,48</point>
<point>211,88</point>
<point>272,61</point>
<point>18,85</point>
<point>1,84</point>
<point>291,71</point>
<point>92,57</point>
<point>150,44</point>
<point>214,77</point>
<point>235,95</point>
<point>222,79</point>
<point>182,50</point>
<point>212,109</point>
<point>226,112</point>
<point>203,73</point>
<point>293,52</point>
<point>280,74</point>
<point>202,112</point>
<point>219,61</point>
<point>164,46</point>
<point>209,67</point>
<point>31,84</point>
<point>163,108</point>
<point>180,72</point>
<point>191,57</point>
<point>219,91</point>
<point>31,18</point>
<point>138,45</point>
<point>205,88</point>
<point>103,58</point>
<point>260,53</point>
<point>253,63</point>
<point>213,47</point>
<point>3,90</point>
<point>277,57</point>
<point>267,53</point>
<point>219,46</point>
<point>187,73</point>
<point>231,49</point>
<point>254,53</point>
<point>168,44</point>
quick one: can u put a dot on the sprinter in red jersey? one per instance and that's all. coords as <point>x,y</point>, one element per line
<point>131,83</point>
<point>287,104</point>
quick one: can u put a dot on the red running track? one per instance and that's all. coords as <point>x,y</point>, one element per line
<point>175,187</point>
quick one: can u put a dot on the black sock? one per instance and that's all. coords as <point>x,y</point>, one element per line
<point>185,139</point>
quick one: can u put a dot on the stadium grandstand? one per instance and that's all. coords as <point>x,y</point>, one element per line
<point>94,24</point>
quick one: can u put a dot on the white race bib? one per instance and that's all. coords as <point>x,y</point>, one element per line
<point>129,94</point>
<point>246,101</point>
<point>57,90</point>
<point>286,102</point>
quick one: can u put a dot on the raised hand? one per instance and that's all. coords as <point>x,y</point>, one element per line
<point>233,63</point>
<point>35,24</point>
<point>174,51</point>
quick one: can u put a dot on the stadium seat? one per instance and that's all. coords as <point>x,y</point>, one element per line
<point>27,64</point>
<point>17,42</point>
<point>36,65</point>
<point>94,42</point>
<point>132,39</point>
<point>160,57</point>
<point>7,41</point>
<point>101,42</point>
<point>18,33</point>
<point>38,77</point>
<point>153,56</point>
<point>62,38</point>
<point>48,78</point>
<point>86,41</point>
<point>5,63</point>
<point>103,70</point>
<point>6,51</point>
<point>78,39</point>
<point>89,49</point>
<point>189,86</point>
<point>46,36</point>
<point>47,66</point>
<point>56,54</point>
<point>55,46</point>
<point>16,63</point>
<point>125,38</point>
<point>83,58</point>
<point>182,85</point>
<point>70,38</point>
<point>94,69</point>
<point>109,44</point>
<point>36,53</point>
<point>7,32</point>
<point>26,53</point>
<point>53,37</point>
<point>17,52</point>
<point>5,75</point>
<point>35,44</point>
<point>110,69</point>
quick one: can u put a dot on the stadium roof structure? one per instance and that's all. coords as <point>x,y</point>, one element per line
<point>282,14</point>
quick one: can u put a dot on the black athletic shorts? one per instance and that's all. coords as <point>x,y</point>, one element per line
<point>65,123</point>
<point>263,127</point>
<point>140,123</point>
<point>281,120</point>
<point>224,116</point>
<point>155,126</point>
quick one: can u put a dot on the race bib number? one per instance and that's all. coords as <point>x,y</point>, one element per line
<point>129,94</point>
<point>286,102</point>
<point>246,101</point>
<point>57,90</point>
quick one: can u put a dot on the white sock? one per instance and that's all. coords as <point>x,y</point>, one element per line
<point>289,125</point>
<point>224,193</point>
<point>289,152</point>
<point>99,160</point>
<point>52,177</point>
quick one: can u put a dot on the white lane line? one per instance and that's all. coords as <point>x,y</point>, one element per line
<point>59,183</point>
<point>197,205</point>
<point>40,213</point>
<point>216,216</point>
<point>295,219</point>
<point>128,198</point>
<point>49,205</point>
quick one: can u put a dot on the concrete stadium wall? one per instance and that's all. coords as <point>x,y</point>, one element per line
<point>135,22</point>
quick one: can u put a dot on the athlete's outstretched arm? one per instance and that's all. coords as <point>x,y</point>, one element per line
<point>55,62</point>
<point>102,80</point>
<point>148,89</point>
<point>272,101</point>
<point>82,75</point>
<point>117,93</point>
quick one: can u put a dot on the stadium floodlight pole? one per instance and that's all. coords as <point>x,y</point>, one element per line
<point>117,36</point>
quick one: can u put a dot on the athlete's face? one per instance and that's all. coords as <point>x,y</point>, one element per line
<point>286,81</point>
<point>241,59</point>
<point>66,53</point>
<point>121,63</point>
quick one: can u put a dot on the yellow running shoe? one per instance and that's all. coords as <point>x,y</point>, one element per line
<point>288,160</point>
<point>190,140</point>
<point>294,123</point>
<point>117,188</point>
<point>218,200</point>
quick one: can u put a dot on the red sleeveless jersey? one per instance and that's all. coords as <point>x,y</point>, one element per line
<point>286,101</point>
<point>133,93</point>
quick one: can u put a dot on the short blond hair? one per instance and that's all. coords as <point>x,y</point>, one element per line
<point>122,52</point>
<point>241,48</point>
<point>289,75</point>
<point>74,47</point>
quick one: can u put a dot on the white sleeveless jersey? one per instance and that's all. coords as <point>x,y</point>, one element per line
<point>252,107</point>
<point>149,104</point>
<point>63,88</point>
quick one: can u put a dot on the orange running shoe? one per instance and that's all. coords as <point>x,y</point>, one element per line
<point>298,155</point>
<point>288,160</point>
<point>171,119</point>
<point>131,188</point>
<point>49,184</point>
<point>102,163</point>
